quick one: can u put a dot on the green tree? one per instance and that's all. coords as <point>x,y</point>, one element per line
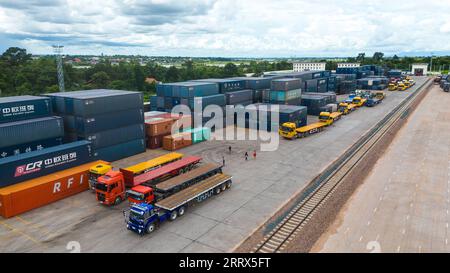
<point>100,80</point>
<point>230,70</point>
<point>16,56</point>
<point>378,57</point>
<point>172,74</point>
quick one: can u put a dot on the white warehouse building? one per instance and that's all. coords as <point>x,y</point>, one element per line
<point>419,69</point>
<point>346,65</point>
<point>302,66</point>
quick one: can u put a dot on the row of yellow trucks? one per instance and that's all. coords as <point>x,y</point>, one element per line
<point>159,189</point>
<point>289,130</point>
<point>401,85</point>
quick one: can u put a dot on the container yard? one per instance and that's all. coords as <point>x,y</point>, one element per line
<point>127,154</point>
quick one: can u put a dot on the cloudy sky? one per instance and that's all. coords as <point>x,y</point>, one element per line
<point>240,28</point>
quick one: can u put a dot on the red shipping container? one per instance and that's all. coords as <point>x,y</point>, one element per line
<point>177,141</point>
<point>159,126</point>
<point>34,193</point>
<point>181,121</point>
<point>155,142</point>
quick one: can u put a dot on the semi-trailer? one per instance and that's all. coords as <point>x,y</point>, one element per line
<point>150,193</point>
<point>145,218</point>
<point>401,86</point>
<point>393,86</point>
<point>375,99</point>
<point>132,171</point>
<point>111,188</point>
<point>346,108</point>
<point>359,101</point>
<point>290,131</point>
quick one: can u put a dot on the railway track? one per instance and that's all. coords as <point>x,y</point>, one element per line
<point>323,187</point>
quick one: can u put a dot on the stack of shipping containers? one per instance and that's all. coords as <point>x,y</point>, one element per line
<point>35,167</point>
<point>345,83</point>
<point>22,115</point>
<point>286,91</point>
<point>373,83</point>
<point>287,113</point>
<point>112,120</point>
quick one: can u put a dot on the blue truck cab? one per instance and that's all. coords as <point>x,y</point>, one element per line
<point>143,218</point>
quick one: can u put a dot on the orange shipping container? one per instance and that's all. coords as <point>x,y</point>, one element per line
<point>177,141</point>
<point>31,194</point>
<point>158,126</point>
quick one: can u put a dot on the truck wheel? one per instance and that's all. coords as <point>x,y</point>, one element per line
<point>224,187</point>
<point>181,211</point>
<point>150,228</point>
<point>228,184</point>
<point>217,190</point>
<point>173,215</point>
<point>117,201</point>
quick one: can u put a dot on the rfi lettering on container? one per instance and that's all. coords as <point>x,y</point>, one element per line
<point>57,185</point>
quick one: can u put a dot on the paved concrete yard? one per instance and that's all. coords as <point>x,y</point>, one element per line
<point>403,205</point>
<point>261,187</point>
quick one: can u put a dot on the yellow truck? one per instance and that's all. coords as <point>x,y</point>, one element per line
<point>380,95</point>
<point>359,102</point>
<point>346,108</point>
<point>96,171</point>
<point>290,131</point>
<point>401,86</point>
<point>393,86</point>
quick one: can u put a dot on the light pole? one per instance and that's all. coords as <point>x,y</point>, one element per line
<point>57,49</point>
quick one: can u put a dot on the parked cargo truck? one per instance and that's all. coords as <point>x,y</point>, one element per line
<point>111,188</point>
<point>375,99</point>
<point>153,192</point>
<point>290,131</point>
<point>97,171</point>
<point>145,218</point>
<point>346,108</point>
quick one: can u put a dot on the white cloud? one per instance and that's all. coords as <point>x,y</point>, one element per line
<point>227,27</point>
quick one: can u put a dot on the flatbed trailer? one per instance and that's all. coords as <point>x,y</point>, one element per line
<point>187,179</point>
<point>146,218</point>
<point>130,172</point>
<point>151,193</point>
<point>157,175</point>
<point>310,129</point>
<point>373,102</point>
<point>336,116</point>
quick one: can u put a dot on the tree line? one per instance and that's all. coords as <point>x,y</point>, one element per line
<point>20,74</point>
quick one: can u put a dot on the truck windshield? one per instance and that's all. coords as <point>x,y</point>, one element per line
<point>287,129</point>
<point>101,187</point>
<point>136,215</point>
<point>136,195</point>
<point>93,176</point>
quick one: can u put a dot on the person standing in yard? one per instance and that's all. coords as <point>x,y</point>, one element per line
<point>229,149</point>
<point>246,156</point>
<point>254,154</point>
<point>223,161</point>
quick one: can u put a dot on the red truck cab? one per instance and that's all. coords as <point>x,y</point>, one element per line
<point>141,194</point>
<point>110,188</point>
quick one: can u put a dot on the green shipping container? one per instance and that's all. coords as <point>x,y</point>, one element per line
<point>199,134</point>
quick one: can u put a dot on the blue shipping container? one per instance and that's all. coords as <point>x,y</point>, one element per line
<point>25,131</point>
<point>24,107</point>
<point>100,101</point>
<point>15,169</point>
<point>120,151</point>
<point>115,136</point>
<point>87,125</point>
<point>30,147</point>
